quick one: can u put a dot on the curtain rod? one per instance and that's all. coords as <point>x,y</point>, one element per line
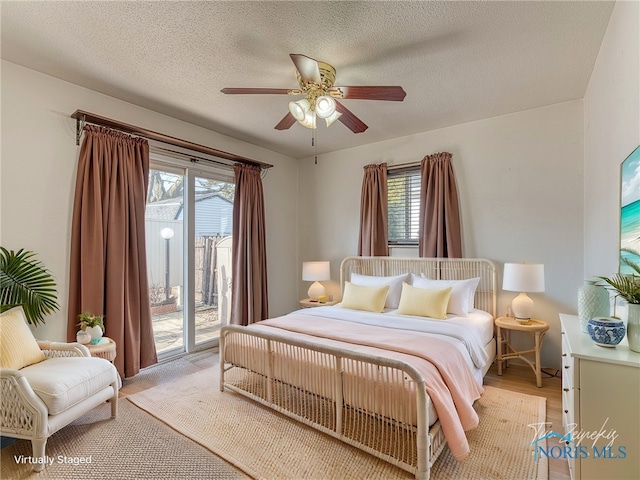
<point>186,156</point>
<point>403,165</point>
<point>83,117</point>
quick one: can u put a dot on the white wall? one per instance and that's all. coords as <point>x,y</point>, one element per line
<point>38,169</point>
<point>612,132</point>
<point>520,183</point>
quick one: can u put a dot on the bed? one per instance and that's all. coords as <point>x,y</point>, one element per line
<point>398,386</point>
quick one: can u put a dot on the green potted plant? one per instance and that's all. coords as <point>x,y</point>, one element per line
<point>24,281</point>
<point>627,286</point>
<point>92,324</point>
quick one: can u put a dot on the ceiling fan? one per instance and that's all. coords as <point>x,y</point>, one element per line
<point>320,96</point>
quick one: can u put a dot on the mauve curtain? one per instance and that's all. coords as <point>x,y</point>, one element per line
<point>374,239</point>
<point>108,272</point>
<point>439,226</point>
<point>249,249</point>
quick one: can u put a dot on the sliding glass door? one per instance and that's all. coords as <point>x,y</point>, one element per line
<point>165,257</point>
<point>188,226</point>
<point>213,214</point>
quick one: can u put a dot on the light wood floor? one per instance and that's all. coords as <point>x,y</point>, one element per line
<point>520,378</point>
<point>517,378</point>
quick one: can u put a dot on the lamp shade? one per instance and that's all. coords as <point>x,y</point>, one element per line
<point>523,277</point>
<point>316,271</point>
<point>299,109</point>
<point>325,106</point>
<point>332,118</point>
<point>309,120</point>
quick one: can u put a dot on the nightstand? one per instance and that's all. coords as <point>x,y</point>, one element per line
<point>536,328</point>
<point>308,303</point>
<point>106,351</point>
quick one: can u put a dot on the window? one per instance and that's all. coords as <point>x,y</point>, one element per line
<point>403,205</point>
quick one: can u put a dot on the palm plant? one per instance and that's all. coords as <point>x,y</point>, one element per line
<point>626,285</point>
<point>24,281</point>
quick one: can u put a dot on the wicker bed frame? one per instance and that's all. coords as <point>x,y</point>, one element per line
<point>376,404</point>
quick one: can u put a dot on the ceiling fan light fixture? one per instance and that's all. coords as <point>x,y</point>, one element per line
<point>332,118</point>
<point>300,109</point>
<point>316,81</point>
<point>309,120</point>
<point>325,106</point>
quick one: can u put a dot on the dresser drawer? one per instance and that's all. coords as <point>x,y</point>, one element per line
<point>570,378</point>
<point>572,468</point>
<point>566,346</point>
<point>568,415</point>
<point>569,392</point>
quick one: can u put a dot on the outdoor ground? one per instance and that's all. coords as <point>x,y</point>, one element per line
<point>168,330</point>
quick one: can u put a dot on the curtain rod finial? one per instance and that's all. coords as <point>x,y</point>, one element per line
<point>80,122</point>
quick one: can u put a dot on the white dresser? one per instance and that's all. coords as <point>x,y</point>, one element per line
<point>600,394</point>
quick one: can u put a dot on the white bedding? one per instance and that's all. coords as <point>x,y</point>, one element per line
<point>469,334</point>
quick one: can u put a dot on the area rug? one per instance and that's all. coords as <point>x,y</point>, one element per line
<point>133,446</point>
<point>267,445</point>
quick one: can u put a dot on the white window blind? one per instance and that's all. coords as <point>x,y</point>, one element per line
<point>403,205</point>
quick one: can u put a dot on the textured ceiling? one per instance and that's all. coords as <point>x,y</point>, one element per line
<point>457,61</point>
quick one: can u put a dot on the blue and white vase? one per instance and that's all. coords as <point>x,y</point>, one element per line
<point>606,331</point>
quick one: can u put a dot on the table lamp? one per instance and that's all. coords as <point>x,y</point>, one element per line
<point>523,278</point>
<point>316,272</point>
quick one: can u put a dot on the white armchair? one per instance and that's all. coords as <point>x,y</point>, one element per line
<point>39,399</point>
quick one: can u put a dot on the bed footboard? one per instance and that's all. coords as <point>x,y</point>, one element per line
<point>376,404</point>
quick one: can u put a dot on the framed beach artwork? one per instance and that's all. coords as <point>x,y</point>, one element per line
<point>630,210</point>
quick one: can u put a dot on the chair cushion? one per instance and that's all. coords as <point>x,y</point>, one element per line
<point>19,348</point>
<point>62,382</point>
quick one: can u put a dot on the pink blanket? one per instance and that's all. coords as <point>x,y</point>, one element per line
<point>449,381</point>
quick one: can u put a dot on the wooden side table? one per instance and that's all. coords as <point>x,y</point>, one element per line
<point>537,328</point>
<point>106,351</point>
<point>308,303</point>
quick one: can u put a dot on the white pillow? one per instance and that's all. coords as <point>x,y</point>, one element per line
<point>462,292</point>
<point>394,283</point>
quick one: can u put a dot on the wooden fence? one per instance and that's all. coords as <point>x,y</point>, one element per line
<point>206,285</point>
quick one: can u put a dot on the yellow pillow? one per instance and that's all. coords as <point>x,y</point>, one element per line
<point>370,299</point>
<point>18,347</point>
<point>424,302</point>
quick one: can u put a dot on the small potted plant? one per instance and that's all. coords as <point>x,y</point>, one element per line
<point>627,286</point>
<point>92,324</point>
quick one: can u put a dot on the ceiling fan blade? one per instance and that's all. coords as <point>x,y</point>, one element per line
<point>270,91</point>
<point>286,122</point>
<point>389,93</point>
<point>352,122</point>
<point>307,67</point>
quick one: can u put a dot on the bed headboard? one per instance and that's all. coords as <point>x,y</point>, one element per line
<point>434,268</point>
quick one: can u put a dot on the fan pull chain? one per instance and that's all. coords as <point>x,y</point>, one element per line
<point>314,144</point>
